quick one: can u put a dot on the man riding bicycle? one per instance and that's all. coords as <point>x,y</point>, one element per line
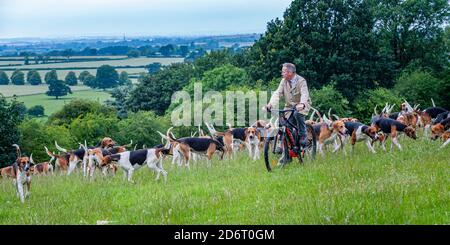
<point>295,92</point>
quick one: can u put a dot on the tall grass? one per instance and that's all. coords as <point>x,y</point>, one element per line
<point>408,187</point>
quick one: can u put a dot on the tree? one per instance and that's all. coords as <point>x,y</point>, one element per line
<point>36,111</point>
<point>58,88</point>
<point>79,108</point>
<point>35,134</point>
<point>141,127</point>
<point>365,103</point>
<point>34,78</point>
<point>419,87</point>
<point>329,98</point>
<point>123,79</point>
<point>18,78</point>
<point>120,95</point>
<point>107,77</point>
<point>184,50</point>
<point>83,75</point>
<point>4,79</point>
<point>51,76</point>
<point>153,67</point>
<point>155,92</point>
<point>89,81</point>
<point>352,43</point>
<point>67,53</point>
<point>166,50</point>
<point>133,53</point>
<point>220,79</point>
<point>93,127</point>
<point>414,32</point>
<point>71,79</point>
<point>9,131</point>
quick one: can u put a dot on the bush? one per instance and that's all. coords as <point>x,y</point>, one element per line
<point>78,109</point>
<point>18,78</point>
<point>93,127</point>
<point>141,127</point>
<point>364,104</point>
<point>10,119</point>
<point>71,79</point>
<point>4,79</point>
<point>328,97</point>
<point>34,78</point>
<point>36,111</point>
<point>34,135</point>
<point>419,87</point>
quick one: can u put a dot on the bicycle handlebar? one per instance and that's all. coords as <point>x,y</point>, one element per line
<point>281,111</point>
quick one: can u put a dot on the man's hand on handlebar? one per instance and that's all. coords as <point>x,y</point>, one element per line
<point>267,107</point>
<point>300,106</point>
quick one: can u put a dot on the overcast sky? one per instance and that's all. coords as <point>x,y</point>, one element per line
<point>68,18</point>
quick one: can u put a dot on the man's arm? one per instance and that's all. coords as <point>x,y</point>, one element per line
<point>275,99</point>
<point>304,99</point>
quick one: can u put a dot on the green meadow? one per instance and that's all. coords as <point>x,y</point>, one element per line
<point>408,187</point>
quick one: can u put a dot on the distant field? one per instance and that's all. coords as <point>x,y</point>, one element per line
<point>52,105</point>
<point>93,65</point>
<point>62,73</point>
<point>71,57</point>
<point>125,62</point>
<point>11,90</point>
<point>17,62</point>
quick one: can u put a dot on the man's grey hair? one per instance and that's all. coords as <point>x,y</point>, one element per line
<point>290,67</point>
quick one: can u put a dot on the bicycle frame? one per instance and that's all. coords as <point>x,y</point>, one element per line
<point>284,130</point>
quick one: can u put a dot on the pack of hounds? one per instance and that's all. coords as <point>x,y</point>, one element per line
<point>109,157</point>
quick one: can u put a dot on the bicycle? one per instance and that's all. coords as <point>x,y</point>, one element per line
<point>283,141</point>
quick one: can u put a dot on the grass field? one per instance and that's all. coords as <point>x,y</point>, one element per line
<point>126,62</point>
<point>93,65</point>
<point>409,187</point>
<point>52,105</point>
<point>62,73</point>
<point>21,90</point>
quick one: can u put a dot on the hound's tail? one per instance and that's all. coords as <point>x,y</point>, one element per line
<point>19,153</point>
<point>60,148</point>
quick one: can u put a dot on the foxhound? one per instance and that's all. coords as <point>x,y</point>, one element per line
<point>252,141</point>
<point>21,175</point>
<point>330,132</point>
<point>202,146</point>
<point>391,127</point>
<point>359,132</point>
<point>130,161</point>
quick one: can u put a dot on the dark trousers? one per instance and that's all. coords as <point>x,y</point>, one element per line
<point>299,120</point>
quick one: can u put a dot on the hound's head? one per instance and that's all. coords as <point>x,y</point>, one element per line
<point>107,142</point>
<point>25,163</point>
<point>403,107</point>
<point>425,118</point>
<point>339,127</point>
<point>251,133</point>
<point>372,132</point>
<point>410,132</point>
<point>437,131</point>
<point>97,155</point>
